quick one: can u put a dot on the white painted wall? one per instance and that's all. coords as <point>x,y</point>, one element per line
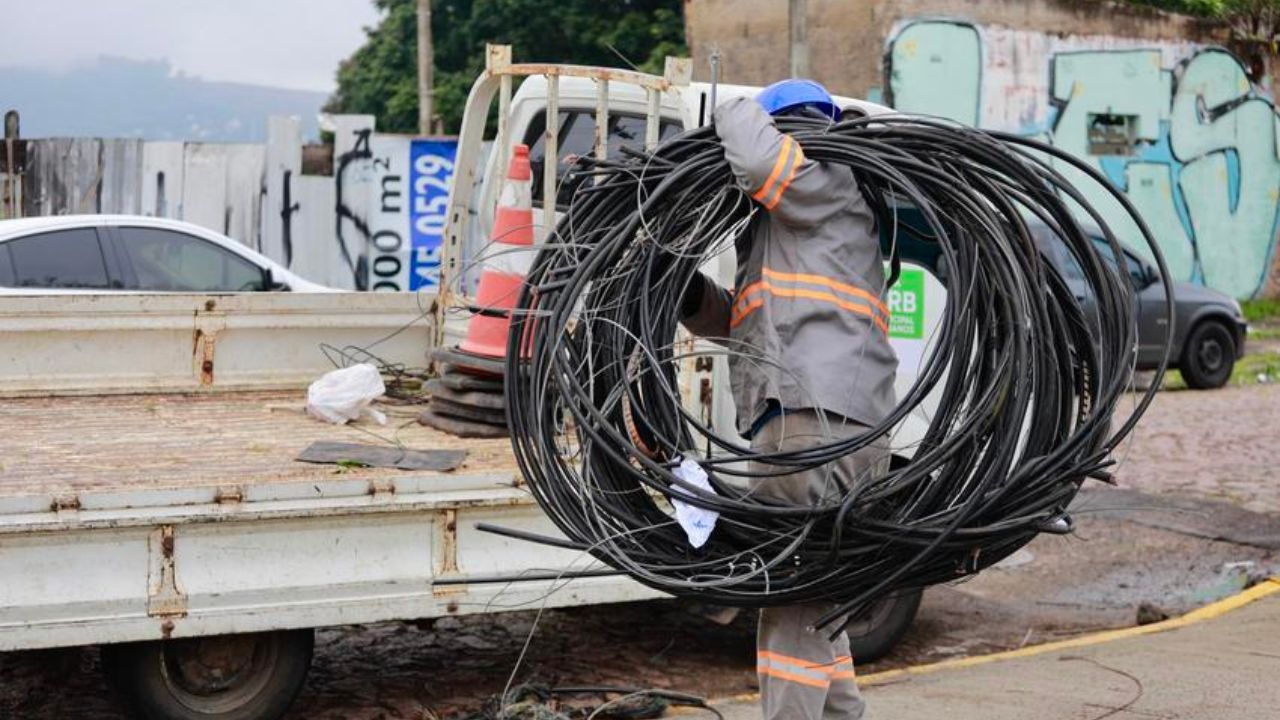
<point>320,227</point>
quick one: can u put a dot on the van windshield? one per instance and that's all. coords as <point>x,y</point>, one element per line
<point>577,139</point>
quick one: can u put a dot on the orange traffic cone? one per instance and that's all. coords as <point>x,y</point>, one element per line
<point>507,263</point>
<point>510,255</point>
<point>467,400</point>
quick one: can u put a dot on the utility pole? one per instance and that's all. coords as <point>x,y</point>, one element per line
<point>426,69</point>
<point>798,27</point>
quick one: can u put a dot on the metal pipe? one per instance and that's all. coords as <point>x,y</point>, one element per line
<point>602,121</point>
<point>715,77</point>
<point>551,157</point>
<point>798,29</point>
<point>502,141</point>
<point>652,129</point>
<point>525,577</point>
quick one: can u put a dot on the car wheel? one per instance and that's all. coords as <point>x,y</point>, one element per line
<point>1208,356</point>
<point>875,630</point>
<point>254,676</point>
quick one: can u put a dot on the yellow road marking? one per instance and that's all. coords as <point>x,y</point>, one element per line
<point>1208,612</point>
<point>1270,586</point>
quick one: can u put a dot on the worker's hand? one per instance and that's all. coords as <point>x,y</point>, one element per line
<point>691,301</point>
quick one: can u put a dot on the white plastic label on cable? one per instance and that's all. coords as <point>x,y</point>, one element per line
<point>697,522</point>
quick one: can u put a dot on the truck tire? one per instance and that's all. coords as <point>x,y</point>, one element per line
<point>1208,356</point>
<point>875,630</point>
<point>254,676</point>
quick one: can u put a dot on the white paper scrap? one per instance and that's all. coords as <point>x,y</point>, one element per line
<point>697,522</point>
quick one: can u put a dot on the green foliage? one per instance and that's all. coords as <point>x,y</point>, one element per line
<point>1252,369</point>
<point>1229,10</point>
<point>1201,8</point>
<point>1261,310</point>
<point>380,77</point>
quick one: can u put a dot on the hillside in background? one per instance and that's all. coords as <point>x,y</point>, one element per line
<point>115,97</point>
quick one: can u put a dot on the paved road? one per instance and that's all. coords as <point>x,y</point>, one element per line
<point>1225,668</point>
<point>1217,444</point>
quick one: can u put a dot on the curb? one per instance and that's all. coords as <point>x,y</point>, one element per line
<point>1269,586</point>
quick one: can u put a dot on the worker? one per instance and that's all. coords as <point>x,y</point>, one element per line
<point>807,305</point>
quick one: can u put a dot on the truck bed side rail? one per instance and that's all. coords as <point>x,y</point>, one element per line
<point>497,79</point>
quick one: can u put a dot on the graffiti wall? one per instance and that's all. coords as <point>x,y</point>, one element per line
<point>375,223</point>
<point>1177,127</point>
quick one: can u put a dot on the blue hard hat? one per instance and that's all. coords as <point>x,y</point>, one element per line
<point>787,95</point>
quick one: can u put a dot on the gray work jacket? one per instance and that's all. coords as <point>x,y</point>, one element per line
<point>810,280</point>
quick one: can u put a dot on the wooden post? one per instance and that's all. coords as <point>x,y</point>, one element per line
<point>13,184</point>
<point>426,69</point>
<point>798,25</point>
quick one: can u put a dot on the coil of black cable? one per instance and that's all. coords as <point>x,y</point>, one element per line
<point>1029,384</point>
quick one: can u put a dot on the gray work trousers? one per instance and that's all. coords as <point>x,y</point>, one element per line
<point>803,675</point>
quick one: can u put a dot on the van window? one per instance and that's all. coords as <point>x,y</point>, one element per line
<point>577,139</point>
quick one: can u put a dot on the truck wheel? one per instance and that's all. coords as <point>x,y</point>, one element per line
<point>1208,356</point>
<point>875,630</point>
<point>221,677</point>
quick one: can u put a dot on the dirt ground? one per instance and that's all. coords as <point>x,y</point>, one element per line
<point>1192,446</point>
<point>1221,444</point>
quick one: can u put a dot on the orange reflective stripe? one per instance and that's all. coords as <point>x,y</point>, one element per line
<point>740,315</point>
<point>838,302</point>
<point>794,669</point>
<point>783,153</point>
<point>748,291</point>
<point>744,305</point>
<point>793,677</point>
<point>823,667</point>
<point>743,310</point>
<point>827,282</point>
<point>797,158</point>
<point>805,672</point>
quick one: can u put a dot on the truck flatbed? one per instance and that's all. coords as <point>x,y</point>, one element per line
<point>149,487</point>
<point>66,445</point>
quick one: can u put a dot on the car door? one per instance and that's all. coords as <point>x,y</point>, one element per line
<point>1057,252</point>
<point>1153,316</point>
<point>163,260</point>
<point>1152,319</point>
<point>71,258</point>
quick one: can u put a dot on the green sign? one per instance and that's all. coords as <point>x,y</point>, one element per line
<point>906,305</point>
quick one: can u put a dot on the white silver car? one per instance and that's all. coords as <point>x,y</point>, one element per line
<point>132,253</point>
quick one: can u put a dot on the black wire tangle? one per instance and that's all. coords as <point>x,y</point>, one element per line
<point>1028,381</point>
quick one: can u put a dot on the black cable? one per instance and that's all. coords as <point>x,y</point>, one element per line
<point>1028,381</point>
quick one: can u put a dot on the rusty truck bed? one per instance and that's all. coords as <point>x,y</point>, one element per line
<point>107,442</point>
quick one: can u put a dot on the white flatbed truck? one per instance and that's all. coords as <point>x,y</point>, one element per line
<point>148,491</point>
<point>150,501</point>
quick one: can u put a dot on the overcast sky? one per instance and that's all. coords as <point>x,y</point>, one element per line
<point>289,43</point>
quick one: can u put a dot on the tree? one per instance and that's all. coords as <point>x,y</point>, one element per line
<point>380,77</point>
<point>1254,22</point>
<point>1253,27</point>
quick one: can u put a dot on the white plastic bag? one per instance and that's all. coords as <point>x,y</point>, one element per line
<point>341,395</point>
<point>697,522</point>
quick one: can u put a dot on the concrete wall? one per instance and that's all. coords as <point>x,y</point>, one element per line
<point>847,37</point>
<point>1201,161</point>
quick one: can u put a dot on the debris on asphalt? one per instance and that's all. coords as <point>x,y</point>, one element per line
<point>1149,613</point>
